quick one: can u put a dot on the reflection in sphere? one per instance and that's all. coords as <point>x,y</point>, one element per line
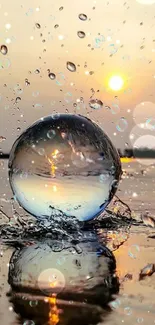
<point>58,164</point>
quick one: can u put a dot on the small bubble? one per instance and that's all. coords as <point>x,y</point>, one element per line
<point>37,105</point>
<point>122,124</point>
<point>115,108</point>
<point>35,93</point>
<point>51,134</point>
<point>128,311</point>
<point>60,80</point>
<point>33,303</point>
<point>61,260</point>
<point>133,251</point>
<point>4,49</point>
<point>71,66</point>
<point>18,89</point>
<point>150,124</point>
<point>81,34</point>
<point>61,8</point>
<point>140,320</point>
<point>83,17</point>
<point>41,151</point>
<point>51,76</point>
<point>38,25</point>
<point>68,97</point>
<point>56,26</point>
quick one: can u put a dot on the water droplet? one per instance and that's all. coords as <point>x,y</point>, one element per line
<point>61,260</point>
<point>37,71</point>
<point>56,26</point>
<point>35,93</point>
<point>4,49</point>
<point>41,151</point>
<point>60,80</point>
<point>51,76</point>
<point>115,108</point>
<point>128,311</point>
<point>81,34</point>
<point>82,17</point>
<point>37,105</point>
<point>61,8</point>
<point>62,166</point>
<point>18,99</point>
<point>140,320</point>
<point>122,124</point>
<point>95,103</point>
<point>133,251</point>
<point>51,134</point>
<point>27,83</point>
<point>71,66</point>
<point>33,303</point>
<point>38,25</point>
<point>68,97</point>
<point>18,89</point>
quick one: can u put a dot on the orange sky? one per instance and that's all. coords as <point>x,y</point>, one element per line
<point>126,46</point>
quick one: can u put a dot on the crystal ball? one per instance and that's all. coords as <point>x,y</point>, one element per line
<point>66,163</point>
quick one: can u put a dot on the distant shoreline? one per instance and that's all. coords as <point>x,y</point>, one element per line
<point>124,158</point>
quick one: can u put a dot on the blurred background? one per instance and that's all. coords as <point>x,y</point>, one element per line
<point>112,79</point>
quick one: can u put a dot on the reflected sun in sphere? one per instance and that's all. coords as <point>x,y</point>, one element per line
<point>116,83</point>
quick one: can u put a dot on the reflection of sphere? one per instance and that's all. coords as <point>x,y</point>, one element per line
<point>57,162</point>
<point>86,272</point>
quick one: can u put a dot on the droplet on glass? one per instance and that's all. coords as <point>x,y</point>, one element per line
<point>82,17</point>
<point>127,311</point>
<point>37,71</point>
<point>71,66</point>
<point>68,97</point>
<point>95,103</point>
<point>18,99</point>
<point>4,49</point>
<point>133,251</point>
<point>38,25</point>
<point>81,34</point>
<point>122,124</point>
<point>52,76</point>
<point>56,26</point>
<point>62,166</point>
<point>51,134</point>
<point>61,8</point>
<point>27,83</point>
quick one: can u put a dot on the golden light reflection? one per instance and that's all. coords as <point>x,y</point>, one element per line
<point>54,311</point>
<point>53,166</point>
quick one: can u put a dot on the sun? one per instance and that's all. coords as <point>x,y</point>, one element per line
<point>116,83</point>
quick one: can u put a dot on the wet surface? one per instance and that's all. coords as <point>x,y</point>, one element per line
<point>134,303</point>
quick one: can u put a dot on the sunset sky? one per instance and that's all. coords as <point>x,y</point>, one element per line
<point>119,41</point>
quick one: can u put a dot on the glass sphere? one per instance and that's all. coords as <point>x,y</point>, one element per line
<point>65,163</point>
